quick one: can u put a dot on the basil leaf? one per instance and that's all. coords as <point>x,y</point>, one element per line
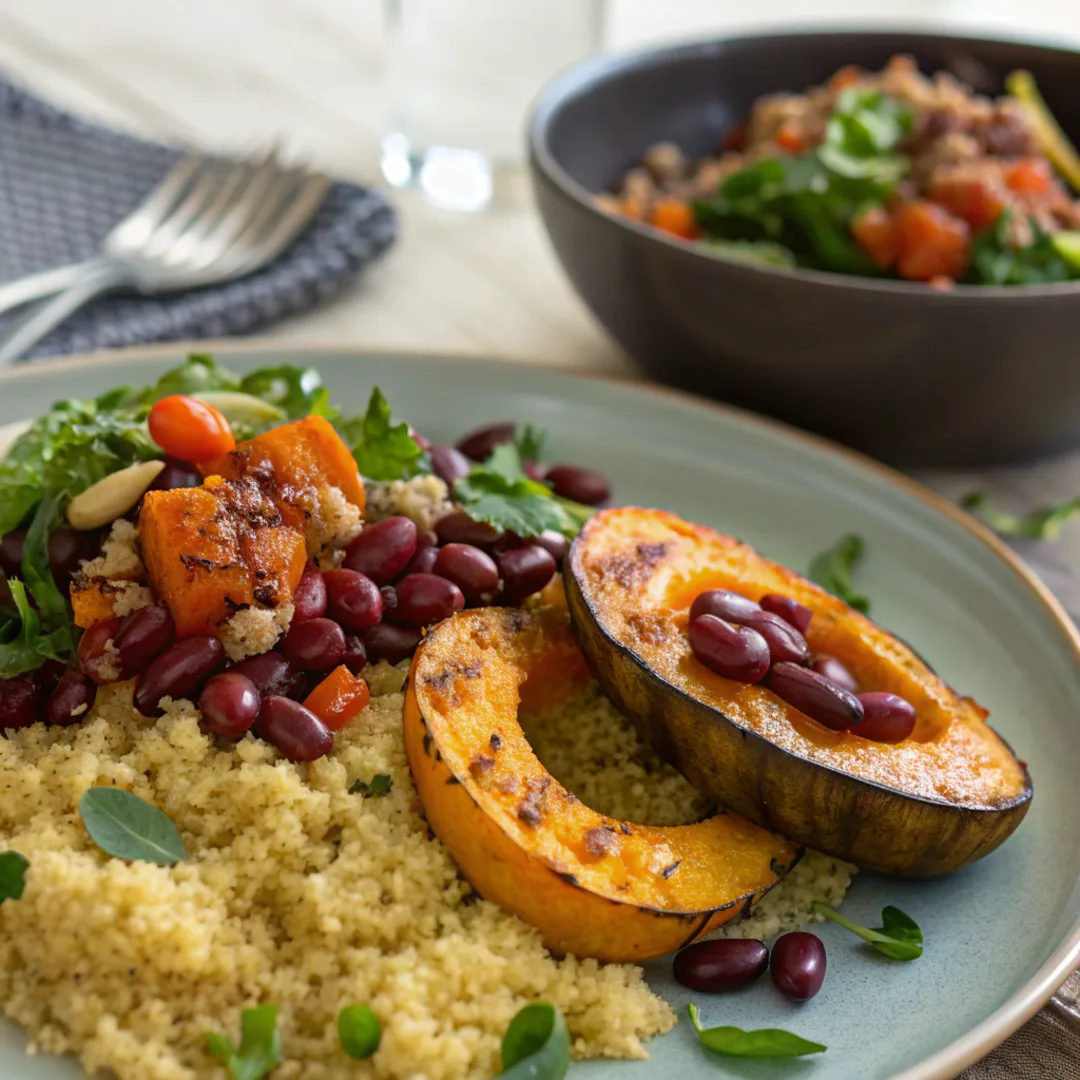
<point>499,492</point>
<point>359,1031</point>
<point>898,938</point>
<point>383,450</point>
<point>296,391</point>
<point>260,1045</point>
<point>761,1043</point>
<point>12,875</point>
<point>127,827</point>
<point>832,569</point>
<point>380,784</point>
<point>536,1045</point>
<point>1044,524</point>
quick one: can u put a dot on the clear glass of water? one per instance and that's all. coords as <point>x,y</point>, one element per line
<point>462,74</point>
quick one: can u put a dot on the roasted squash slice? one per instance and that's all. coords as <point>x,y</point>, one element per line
<point>593,885</point>
<point>946,796</point>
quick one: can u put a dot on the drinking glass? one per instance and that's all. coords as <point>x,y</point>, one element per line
<point>461,76</point>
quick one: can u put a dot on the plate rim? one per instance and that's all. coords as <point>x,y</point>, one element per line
<point>989,1033</point>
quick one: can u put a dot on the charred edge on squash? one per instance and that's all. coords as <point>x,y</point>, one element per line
<point>669,870</point>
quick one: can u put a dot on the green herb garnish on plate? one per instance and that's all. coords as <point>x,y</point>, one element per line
<point>13,867</point>
<point>899,936</point>
<point>379,784</point>
<point>260,1045</point>
<point>833,567</point>
<point>1044,524</point>
<point>536,1045</point>
<point>128,827</point>
<point>760,1043</point>
<point>383,450</point>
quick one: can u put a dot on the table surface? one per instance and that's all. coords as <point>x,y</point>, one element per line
<point>308,74</point>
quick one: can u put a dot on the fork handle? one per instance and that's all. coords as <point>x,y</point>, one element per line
<point>93,280</point>
<point>36,286</point>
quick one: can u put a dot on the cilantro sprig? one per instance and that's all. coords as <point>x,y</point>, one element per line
<point>899,936</point>
<point>1043,524</point>
<point>380,784</point>
<point>383,450</point>
<point>832,569</point>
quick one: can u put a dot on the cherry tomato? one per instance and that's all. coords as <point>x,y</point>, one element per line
<point>875,233</point>
<point>190,429</point>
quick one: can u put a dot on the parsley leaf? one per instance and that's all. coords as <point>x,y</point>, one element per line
<point>383,450</point>
<point>899,936</point>
<point>260,1045</point>
<point>379,784</point>
<point>832,568</point>
<point>499,492</point>
<point>762,1043</point>
<point>1044,524</point>
<point>12,875</point>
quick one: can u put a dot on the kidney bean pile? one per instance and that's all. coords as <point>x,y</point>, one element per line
<point>797,964</point>
<point>394,581</point>
<point>763,642</point>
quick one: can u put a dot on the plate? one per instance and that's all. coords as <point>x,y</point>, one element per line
<point>1000,935</point>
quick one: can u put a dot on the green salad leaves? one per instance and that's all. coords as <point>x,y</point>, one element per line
<point>383,450</point>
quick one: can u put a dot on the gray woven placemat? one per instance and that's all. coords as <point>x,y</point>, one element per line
<point>64,182</point>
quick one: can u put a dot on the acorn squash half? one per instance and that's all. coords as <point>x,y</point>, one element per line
<point>947,795</point>
<point>593,885</point>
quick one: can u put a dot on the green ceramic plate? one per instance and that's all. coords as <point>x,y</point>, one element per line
<point>1001,935</point>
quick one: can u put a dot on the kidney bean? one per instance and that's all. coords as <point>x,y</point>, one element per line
<point>143,635</point>
<point>525,571</point>
<point>355,655</point>
<point>554,543</point>
<point>295,731</point>
<point>50,673</point>
<point>736,652</point>
<point>423,599</point>
<point>835,672</point>
<point>473,571</point>
<point>715,966</point>
<point>229,704</point>
<point>390,643</point>
<point>272,674</point>
<point>176,474</point>
<point>91,651</point>
<point>459,528</point>
<point>791,611</point>
<point>887,718</point>
<point>449,463</point>
<point>423,562</point>
<point>797,965</point>
<point>383,550</point>
<point>352,599</point>
<point>724,604</point>
<point>784,641</point>
<point>315,645</point>
<point>20,702</point>
<point>68,548</point>
<point>534,470</point>
<point>813,694</point>
<point>578,484</point>
<point>178,672</point>
<point>71,699</point>
<point>389,600</point>
<point>478,444</point>
<point>309,596</point>
<point>11,552</point>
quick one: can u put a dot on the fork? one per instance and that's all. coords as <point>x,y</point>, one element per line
<point>209,220</point>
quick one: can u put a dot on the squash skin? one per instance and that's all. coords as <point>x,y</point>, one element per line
<point>526,848</point>
<point>631,560</point>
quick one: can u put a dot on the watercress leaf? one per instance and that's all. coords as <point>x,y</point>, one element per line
<point>383,450</point>
<point>1044,524</point>
<point>379,784</point>
<point>199,373</point>
<point>833,567</point>
<point>260,1045</point>
<point>899,937</point>
<point>359,1031</point>
<point>761,1043</point>
<point>12,875</point>
<point>530,443</point>
<point>536,1045</point>
<point>296,391</point>
<point>128,827</point>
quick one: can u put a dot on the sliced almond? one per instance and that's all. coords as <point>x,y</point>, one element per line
<point>113,496</point>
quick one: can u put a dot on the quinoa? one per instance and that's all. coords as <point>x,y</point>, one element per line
<point>119,558</point>
<point>334,522</point>
<point>424,499</point>
<point>252,631</point>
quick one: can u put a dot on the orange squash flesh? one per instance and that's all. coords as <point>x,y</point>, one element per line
<point>593,885</point>
<point>92,600</point>
<point>296,460</point>
<point>947,795</point>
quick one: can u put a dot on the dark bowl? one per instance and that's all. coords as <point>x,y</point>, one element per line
<point>915,376</point>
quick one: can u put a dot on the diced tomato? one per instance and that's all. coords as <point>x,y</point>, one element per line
<point>677,218</point>
<point>875,233</point>
<point>734,138</point>
<point>1029,176</point>
<point>932,243</point>
<point>789,138</point>
<point>976,201</point>
<point>847,76</point>
<point>339,698</point>
<point>189,429</point>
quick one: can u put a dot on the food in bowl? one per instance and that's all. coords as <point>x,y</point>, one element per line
<point>888,173</point>
<point>303,762</point>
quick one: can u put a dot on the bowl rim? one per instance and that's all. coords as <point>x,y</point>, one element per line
<point>602,68</point>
